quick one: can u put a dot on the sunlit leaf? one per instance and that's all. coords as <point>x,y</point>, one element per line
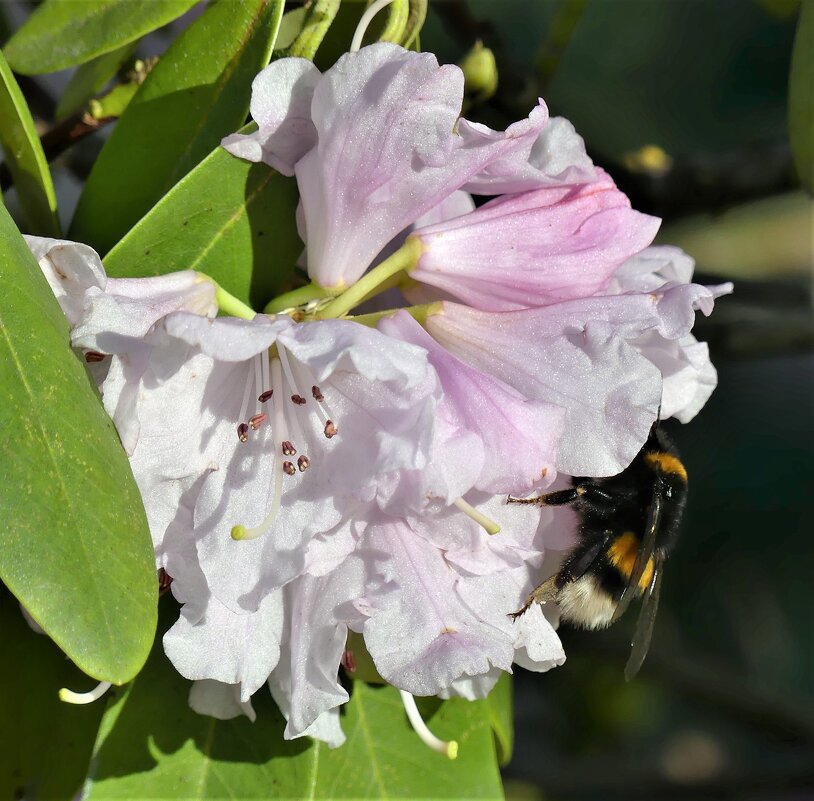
<point>76,548</point>
<point>228,218</point>
<point>197,93</point>
<point>61,34</point>
<point>25,159</point>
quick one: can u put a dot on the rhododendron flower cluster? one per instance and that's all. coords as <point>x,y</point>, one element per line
<point>314,472</point>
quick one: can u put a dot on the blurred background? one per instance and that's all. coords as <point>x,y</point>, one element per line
<point>685,103</point>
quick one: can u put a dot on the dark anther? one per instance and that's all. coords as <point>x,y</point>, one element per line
<point>317,393</point>
<point>264,396</point>
<point>243,432</point>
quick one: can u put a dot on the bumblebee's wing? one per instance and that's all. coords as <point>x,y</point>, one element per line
<point>645,551</point>
<point>644,625</point>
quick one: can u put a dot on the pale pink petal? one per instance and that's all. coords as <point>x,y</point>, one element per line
<point>219,700</point>
<point>520,435</point>
<point>70,269</point>
<point>689,375</point>
<point>232,648</point>
<point>556,157</point>
<point>574,355</point>
<point>534,248</point>
<point>281,106</point>
<point>422,637</point>
<point>127,308</point>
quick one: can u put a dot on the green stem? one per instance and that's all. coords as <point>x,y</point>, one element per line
<point>297,297</point>
<point>405,258</point>
<point>419,313</point>
<point>320,17</point>
<point>395,27</point>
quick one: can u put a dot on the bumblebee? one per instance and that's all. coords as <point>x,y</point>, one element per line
<point>628,526</point>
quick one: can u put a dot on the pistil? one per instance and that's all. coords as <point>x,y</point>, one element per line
<point>70,697</point>
<point>448,749</point>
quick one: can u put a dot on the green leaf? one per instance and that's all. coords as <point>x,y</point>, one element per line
<point>89,79</point>
<point>500,703</point>
<point>61,34</point>
<point>196,94</point>
<point>228,218</point>
<point>152,746</point>
<point>24,157</point>
<point>47,745</point>
<point>801,96</point>
<point>76,548</point>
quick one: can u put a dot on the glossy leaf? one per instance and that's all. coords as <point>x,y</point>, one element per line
<point>197,93</point>
<point>90,78</point>
<point>153,746</point>
<point>25,159</point>
<point>47,745</point>
<point>76,548</point>
<point>801,96</point>
<point>228,218</point>
<point>62,34</point>
<point>500,703</point>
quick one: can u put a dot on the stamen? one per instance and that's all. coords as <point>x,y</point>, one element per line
<point>257,420</point>
<point>288,448</point>
<point>361,28</point>
<point>298,399</point>
<point>317,393</point>
<point>322,409</point>
<point>164,581</point>
<point>265,396</point>
<point>243,432</point>
<point>481,519</point>
<point>70,697</point>
<point>330,429</point>
<point>258,375</point>
<point>349,661</point>
<point>303,463</point>
<point>448,749</point>
<point>288,469</point>
<point>264,361</point>
<point>92,356</point>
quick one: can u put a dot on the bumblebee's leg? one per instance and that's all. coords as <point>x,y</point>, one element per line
<point>551,499</point>
<point>545,592</point>
<point>590,494</point>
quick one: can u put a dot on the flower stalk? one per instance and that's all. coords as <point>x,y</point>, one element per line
<point>404,259</point>
<point>297,297</point>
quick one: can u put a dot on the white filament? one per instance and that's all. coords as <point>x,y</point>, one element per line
<point>361,28</point>
<point>70,697</point>
<point>299,439</point>
<point>246,394</point>
<point>448,749</point>
<point>322,409</point>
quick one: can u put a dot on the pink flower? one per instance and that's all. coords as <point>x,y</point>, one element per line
<point>375,143</point>
<point>533,248</point>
